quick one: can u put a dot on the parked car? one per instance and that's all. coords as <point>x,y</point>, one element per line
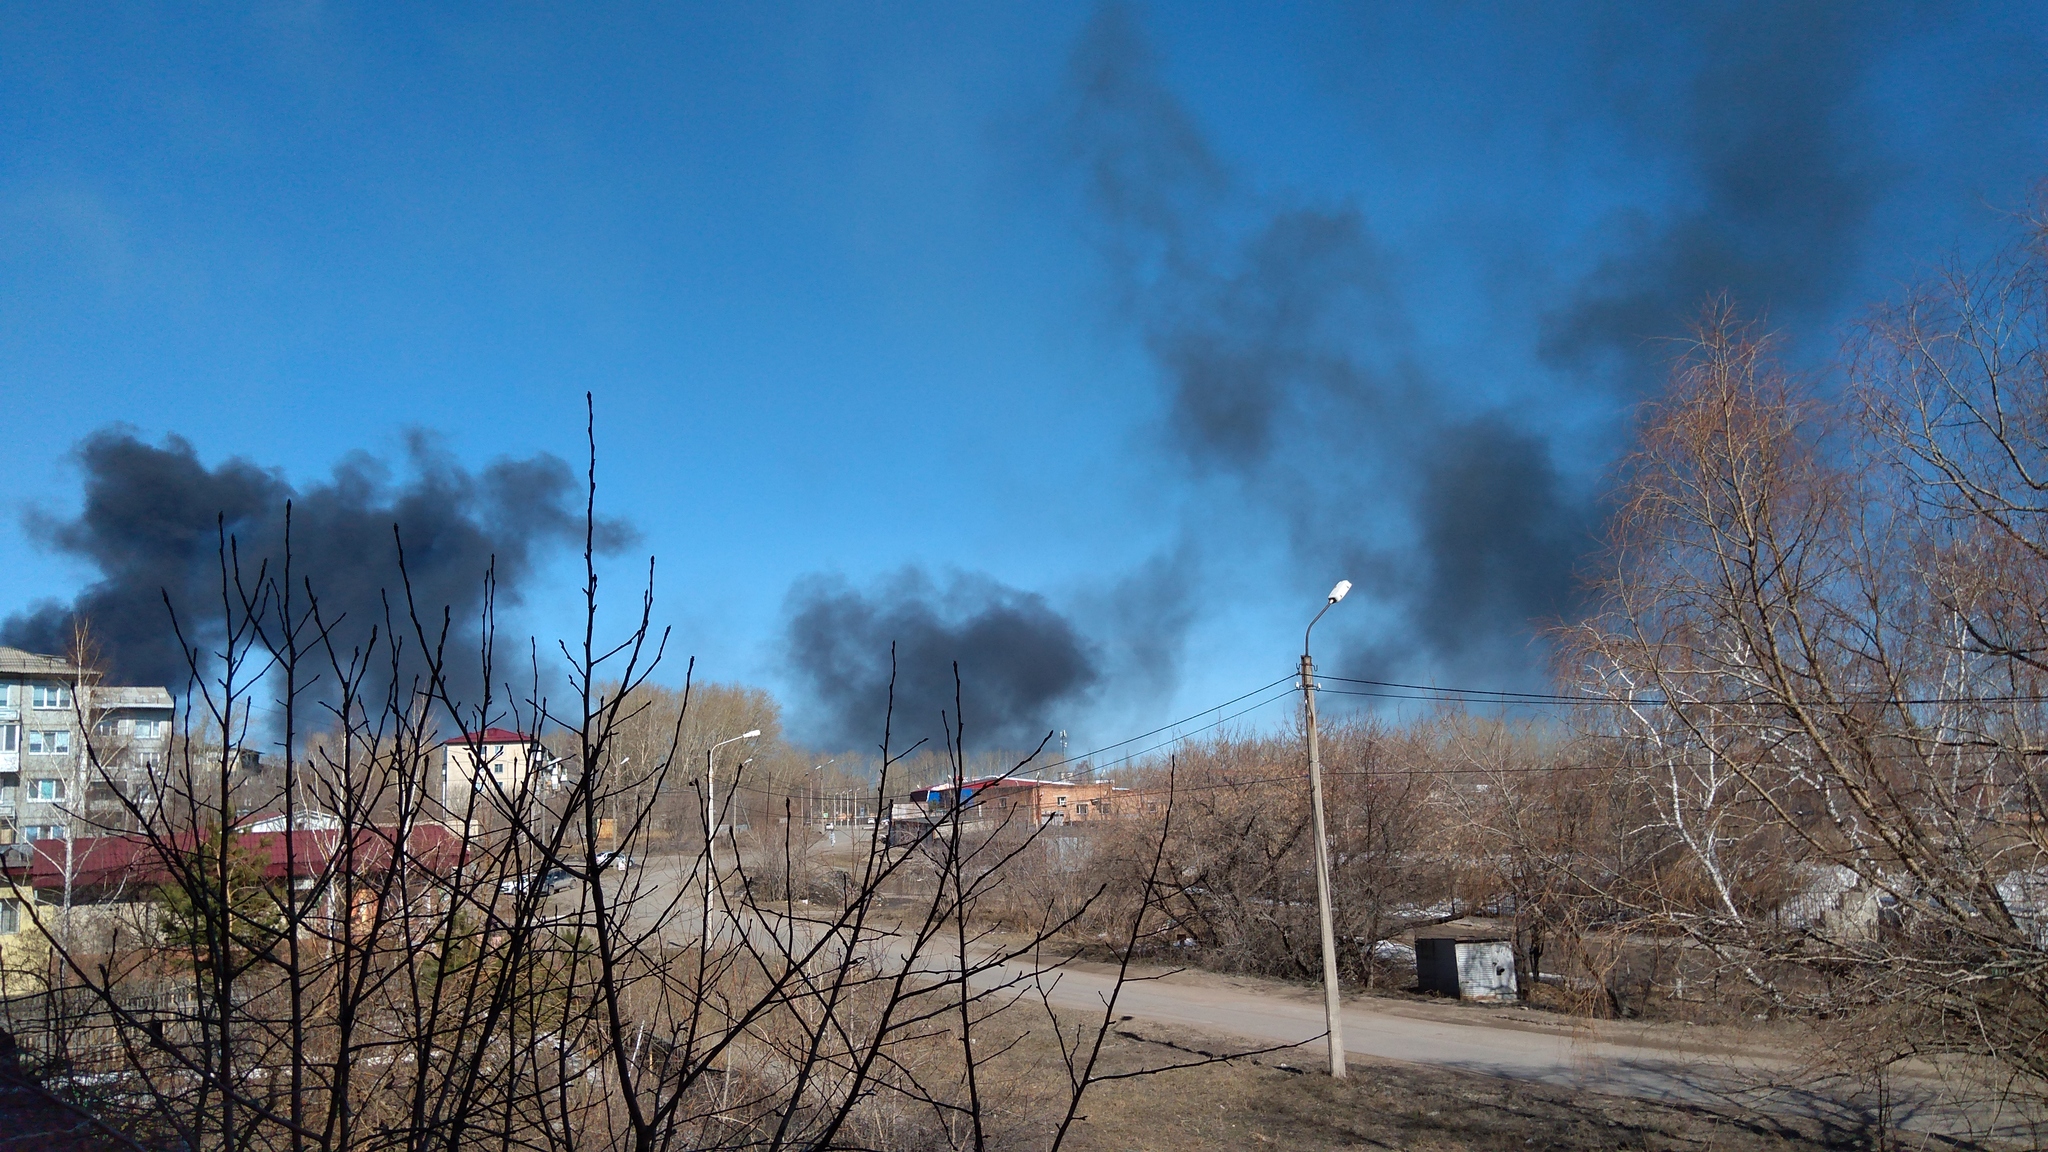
<point>550,882</point>
<point>617,859</point>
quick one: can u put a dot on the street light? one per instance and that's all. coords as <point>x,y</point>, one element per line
<point>818,795</point>
<point>711,810</point>
<point>1332,1008</point>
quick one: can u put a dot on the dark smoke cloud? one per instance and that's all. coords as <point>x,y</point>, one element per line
<point>1502,533</point>
<point>1291,369</point>
<point>153,516</point>
<point>1782,164</point>
<point>1280,327</point>
<point>1021,662</point>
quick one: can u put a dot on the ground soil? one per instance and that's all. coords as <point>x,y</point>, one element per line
<point>1287,1100</point>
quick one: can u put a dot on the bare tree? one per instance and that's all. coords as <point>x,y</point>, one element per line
<point>1817,660</point>
<point>386,971</point>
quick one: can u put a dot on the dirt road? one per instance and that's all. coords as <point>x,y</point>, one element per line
<point>1652,1062</point>
<point>1664,1063</point>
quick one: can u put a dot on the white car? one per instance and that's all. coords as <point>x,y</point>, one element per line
<point>550,882</point>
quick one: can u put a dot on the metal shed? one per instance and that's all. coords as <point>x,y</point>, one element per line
<point>1468,969</point>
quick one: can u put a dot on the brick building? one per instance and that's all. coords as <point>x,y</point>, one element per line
<point>1038,801</point>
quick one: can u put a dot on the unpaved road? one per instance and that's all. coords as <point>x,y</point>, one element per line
<point>1660,1062</point>
<point>1652,1062</point>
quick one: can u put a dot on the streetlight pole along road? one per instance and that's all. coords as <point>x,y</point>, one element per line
<point>711,810</point>
<point>1332,1007</point>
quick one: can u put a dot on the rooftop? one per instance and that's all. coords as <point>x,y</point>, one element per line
<point>143,861</point>
<point>108,696</point>
<point>491,736</point>
<point>17,662</point>
<point>21,662</point>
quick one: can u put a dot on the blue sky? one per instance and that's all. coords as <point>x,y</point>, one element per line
<point>853,294</point>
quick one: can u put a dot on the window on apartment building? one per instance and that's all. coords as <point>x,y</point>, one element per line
<point>50,740</point>
<point>148,729</point>
<point>51,696</point>
<point>1081,809</point>
<point>10,915</point>
<point>35,832</point>
<point>46,788</point>
<point>1062,801</point>
<point>107,727</point>
<point>101,792</point>
<point>10,737</point>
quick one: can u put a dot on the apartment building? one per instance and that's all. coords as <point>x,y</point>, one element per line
<point>487,772</point>
<point>57,731</point>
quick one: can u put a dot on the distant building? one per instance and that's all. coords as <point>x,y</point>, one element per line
<point>132,868</point>
<point>24,950</point>
<point>1023,802</point>
<point>73,753</point>
<point>95,890</point>
<point>491,770</point>
<point>300,820</point>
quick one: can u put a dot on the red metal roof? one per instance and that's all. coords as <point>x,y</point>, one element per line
<point>136,859</point>
<point>491,736</point>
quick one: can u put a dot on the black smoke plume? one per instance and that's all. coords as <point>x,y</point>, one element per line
<point>1292,370</point>
<point>1784,170</point>
<point>154,515</point>
<point>1281,326</point>
<point>1021,662</point>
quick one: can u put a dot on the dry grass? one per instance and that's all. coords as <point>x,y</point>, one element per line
<point>1283,1101</point>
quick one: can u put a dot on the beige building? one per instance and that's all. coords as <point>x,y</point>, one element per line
<point>72,752</point>
<point>24,950</point>
<point>495,770</point>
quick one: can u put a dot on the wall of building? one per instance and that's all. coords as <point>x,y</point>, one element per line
<point>24,950</point>
<point>494,777</point>
<point>68,754</point>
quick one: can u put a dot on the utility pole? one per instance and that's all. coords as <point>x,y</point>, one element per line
<point>1333,1008</point>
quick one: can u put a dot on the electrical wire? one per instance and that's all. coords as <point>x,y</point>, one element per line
<point>1265,690</point>
<point>1065,760</point>
<point>1432,693</point>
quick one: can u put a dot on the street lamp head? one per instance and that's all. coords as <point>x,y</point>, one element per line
<point>1342,589</point>
<point>757,731</point>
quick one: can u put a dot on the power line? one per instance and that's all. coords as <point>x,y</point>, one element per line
<point>1178,723</point>
<point>1129,756</point>
<point>1433,693</point>
<point>1220,721</point>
